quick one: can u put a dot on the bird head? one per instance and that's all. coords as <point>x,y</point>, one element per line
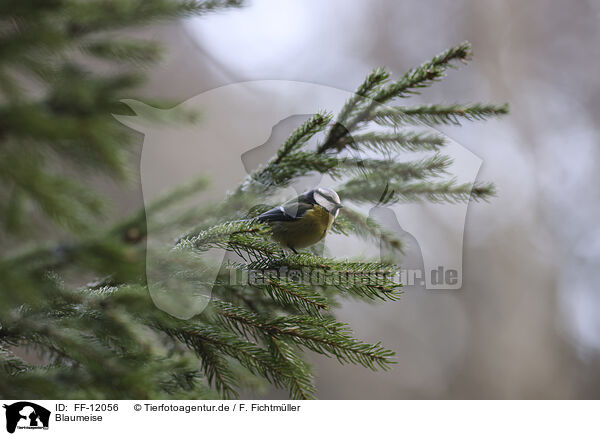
<point>327,199</point>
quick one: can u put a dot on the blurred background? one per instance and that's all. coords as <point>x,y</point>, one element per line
<point>526,323</point>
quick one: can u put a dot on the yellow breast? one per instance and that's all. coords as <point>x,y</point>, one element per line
<point>304,232</point>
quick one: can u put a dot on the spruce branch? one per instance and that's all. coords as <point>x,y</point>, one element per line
<point>363,190</point>
<point>12,364</point>
<point>210,342</point>
<point>437,114</point>
<point>433,166</point>
<point>366,90</point>
<point>322,335</point>
<point>386,143</point>
<point>301,135</point>
<point>214,366</point>
<point>424,75</point>
<point>370,280</point>
<point>110,329</point>
<point>420,77</point>
<point>219,235</point>
<point>301,384</point>
<point>123,50</point>
<point>289,293</point>
<point>352,221</point>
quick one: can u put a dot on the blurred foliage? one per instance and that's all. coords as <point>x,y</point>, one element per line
<point>82,305</point>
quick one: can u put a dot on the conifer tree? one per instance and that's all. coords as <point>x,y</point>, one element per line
<point>81,305</point>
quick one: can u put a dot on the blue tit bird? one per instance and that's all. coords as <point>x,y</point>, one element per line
<point>305,220</point>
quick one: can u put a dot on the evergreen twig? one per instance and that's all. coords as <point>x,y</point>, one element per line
<point>106,339</point>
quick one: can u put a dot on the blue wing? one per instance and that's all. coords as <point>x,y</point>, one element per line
<point>287,212</point>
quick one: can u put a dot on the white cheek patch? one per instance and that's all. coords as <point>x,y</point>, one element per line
<point>325,203</point>
<point>335,197</point>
